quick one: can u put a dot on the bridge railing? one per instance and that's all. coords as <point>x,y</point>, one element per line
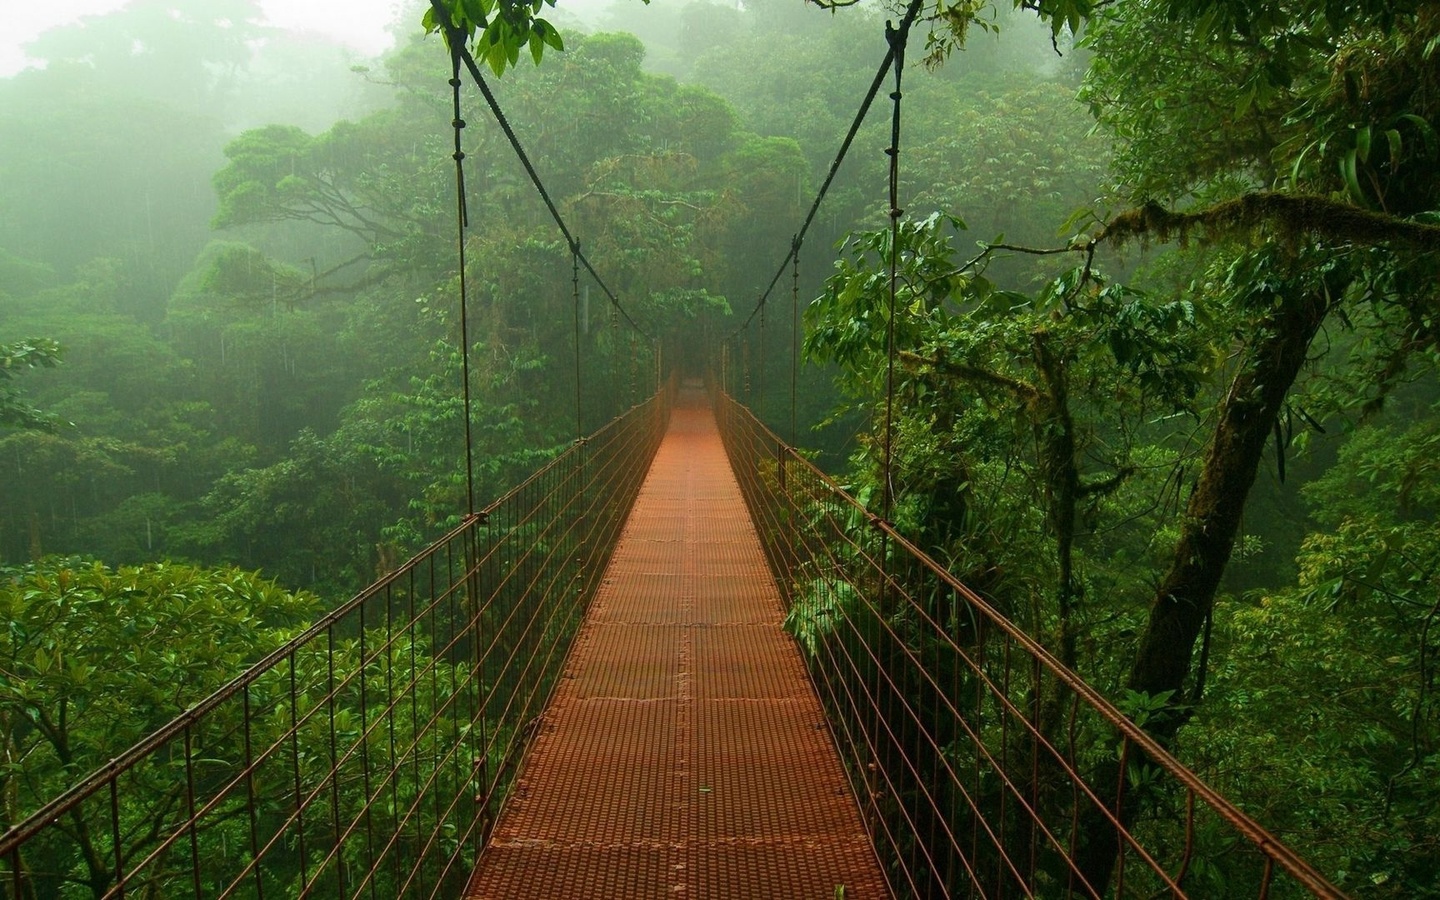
<point>368,756</point>
<point>983,767</point>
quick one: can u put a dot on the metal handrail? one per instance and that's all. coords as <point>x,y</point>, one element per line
<point>805,519</point>
<point>514,578</point>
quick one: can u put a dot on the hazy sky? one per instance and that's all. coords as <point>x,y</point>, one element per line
<point>359,24</point>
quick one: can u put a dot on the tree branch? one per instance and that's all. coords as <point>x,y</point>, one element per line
<point>1294,215</point>
<point>1106,485</point>
<point>988,250</point>
<point>1020,389</point>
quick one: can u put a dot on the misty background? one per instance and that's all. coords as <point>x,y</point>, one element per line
<point>250,364</point>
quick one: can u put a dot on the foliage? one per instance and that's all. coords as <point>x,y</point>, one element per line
<point>1333,678</point>
<point>96,658</point>
<point>1023,163</point>
<point>818,612</point>
<point>1003,404</point>
<point>496,29</point>
<point>1293,144</point>
<point>316,348</point>
<point>15,357</point>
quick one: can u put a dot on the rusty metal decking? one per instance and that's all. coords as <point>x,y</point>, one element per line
<point>685,753</point>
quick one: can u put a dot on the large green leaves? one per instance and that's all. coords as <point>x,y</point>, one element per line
<point>497,31</point>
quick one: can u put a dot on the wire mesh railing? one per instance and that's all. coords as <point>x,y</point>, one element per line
<point>367,757</point>
<point>983,767</point>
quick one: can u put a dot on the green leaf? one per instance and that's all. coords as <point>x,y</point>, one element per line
<point>1072,222</point>
<point>1392,137</point>
<point>1245,100</point>
<point>1299,165</point>
<point>473,11</point>
<point>1362,144</point>
<point>1351,178</point>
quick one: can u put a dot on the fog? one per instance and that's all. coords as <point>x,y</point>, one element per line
<point>242,239</point>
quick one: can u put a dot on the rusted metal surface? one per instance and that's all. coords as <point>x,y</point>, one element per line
<point>685,753</point>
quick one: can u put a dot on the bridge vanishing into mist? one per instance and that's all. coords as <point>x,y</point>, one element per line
<point>586,690</point>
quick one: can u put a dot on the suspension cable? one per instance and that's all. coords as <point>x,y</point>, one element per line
<point>575,296</point>
<point>897,39</point>
<point>462,219</point>
<point>456,39</point>
<point>760,361</point>
<point>745,363</point>
<point>911,13</point>
<point>794,328</point>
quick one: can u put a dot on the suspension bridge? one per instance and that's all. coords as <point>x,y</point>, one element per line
<point>585,691</point>
<point>677,661</point>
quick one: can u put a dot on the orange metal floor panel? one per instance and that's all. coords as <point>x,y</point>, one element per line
<point>685,753</point>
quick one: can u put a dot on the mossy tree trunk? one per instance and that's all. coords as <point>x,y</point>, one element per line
<point>1186,594</point>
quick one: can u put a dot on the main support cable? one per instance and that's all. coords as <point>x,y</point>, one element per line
<point>462,218</point>
<point>456,40</point>
<point>911,13</point>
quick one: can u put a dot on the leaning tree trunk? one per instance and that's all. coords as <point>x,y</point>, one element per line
<point>1186,594</point>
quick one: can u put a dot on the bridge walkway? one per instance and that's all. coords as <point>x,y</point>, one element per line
<point>685,753</point>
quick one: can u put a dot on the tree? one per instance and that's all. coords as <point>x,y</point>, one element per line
<point>1006,403</point>
<point>1333,676</point>
<point>1313,267</point>
<point>1311,178</point>
<point>15,357</point>
<point>137,427</point>
<point>1307,188</point>
<point>95,659</point>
